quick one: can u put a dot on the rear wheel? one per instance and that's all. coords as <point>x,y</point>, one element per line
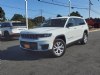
<point>59,47</point>
<point>84,39</point>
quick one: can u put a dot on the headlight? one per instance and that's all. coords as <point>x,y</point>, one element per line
<point>47,35</point>
<point>44,35</point>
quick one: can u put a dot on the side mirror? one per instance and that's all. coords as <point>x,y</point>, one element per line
<point>69,25</point>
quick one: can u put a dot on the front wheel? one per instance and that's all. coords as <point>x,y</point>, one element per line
<point>59,47</point>
<point>6,35</point>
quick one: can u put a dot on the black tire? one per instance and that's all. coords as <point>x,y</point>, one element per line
<point>84,39</point>
<point>6,35</point>
<point>59,47</point>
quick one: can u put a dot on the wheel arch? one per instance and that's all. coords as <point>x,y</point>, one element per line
<point>86,31</point>
<point>62,36</point>
<point>5,32</point>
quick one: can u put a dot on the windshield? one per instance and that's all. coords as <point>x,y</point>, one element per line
<point>18,24</point>
<point>54,23</point>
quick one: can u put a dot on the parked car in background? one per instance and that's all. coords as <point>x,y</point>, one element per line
<point>11,29</point>
<point>95,23</point>
<point>54,34</point>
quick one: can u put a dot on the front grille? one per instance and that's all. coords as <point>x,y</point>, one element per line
<point>29,36</point>
<point>33,45</point>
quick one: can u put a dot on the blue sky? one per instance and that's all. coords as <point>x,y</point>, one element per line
<point>18,6</point>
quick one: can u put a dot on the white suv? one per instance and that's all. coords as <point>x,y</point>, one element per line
<point>11,29</point>
<point>54,34</point>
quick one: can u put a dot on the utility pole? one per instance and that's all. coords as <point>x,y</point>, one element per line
<point>26,13</point>
<point>89,9</point>
<point>41,11</point>
<point>69,7</point>
<point>90,3</point>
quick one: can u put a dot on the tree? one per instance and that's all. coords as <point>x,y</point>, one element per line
<point>59,15</point>
<point>2,14</point>
<point>75,14</point>
<point>18,17</point>
<point>31,24</point>
<point>38,19</point>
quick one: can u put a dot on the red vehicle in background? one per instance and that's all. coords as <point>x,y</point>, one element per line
<point>95,23</point>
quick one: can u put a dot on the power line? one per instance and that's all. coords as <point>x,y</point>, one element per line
<point>73,7</point>
<point>28,9</point>
<point>78,7</point>
<point>95,11</point>
<point>61,5</point>
<point>17,8</point>
<point>24,9</point>
<point>53,3</point>
<point>58,2</point>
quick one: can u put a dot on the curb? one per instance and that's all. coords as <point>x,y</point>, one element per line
<point>94,30</point>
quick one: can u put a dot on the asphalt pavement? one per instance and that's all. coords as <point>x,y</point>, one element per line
<point>78,59</point>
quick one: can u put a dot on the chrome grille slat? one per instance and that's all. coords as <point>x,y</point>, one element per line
<point>29,36</point>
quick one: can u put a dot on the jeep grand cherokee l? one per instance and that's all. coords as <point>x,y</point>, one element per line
<point>54,34</point>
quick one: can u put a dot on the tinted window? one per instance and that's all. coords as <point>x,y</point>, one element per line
<point>5,25</point>
<point>79,21</point>
<point>18,24</point>
<point>54,23</point>
<point>71,22</point>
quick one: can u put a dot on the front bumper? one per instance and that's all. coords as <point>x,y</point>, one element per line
<point>36,45</point>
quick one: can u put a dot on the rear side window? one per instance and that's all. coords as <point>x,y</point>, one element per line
<point>71,22</point>
<point>79,21</point>
<point>5,25</point>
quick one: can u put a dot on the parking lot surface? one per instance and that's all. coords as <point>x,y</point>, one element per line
<point>78,59</point>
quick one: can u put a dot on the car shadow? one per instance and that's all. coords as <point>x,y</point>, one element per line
<point>16,54</point>
<point>5,40</point>
<point>73,44</point>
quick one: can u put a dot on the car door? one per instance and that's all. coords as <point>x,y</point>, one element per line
<point>71,30</point>
<point>79,27</point>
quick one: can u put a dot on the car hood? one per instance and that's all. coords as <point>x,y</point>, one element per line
<point>41,30</point>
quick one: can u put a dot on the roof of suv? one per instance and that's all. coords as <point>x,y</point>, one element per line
<point>67,17</point>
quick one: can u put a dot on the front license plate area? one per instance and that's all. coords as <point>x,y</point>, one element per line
<point>27,46</point>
